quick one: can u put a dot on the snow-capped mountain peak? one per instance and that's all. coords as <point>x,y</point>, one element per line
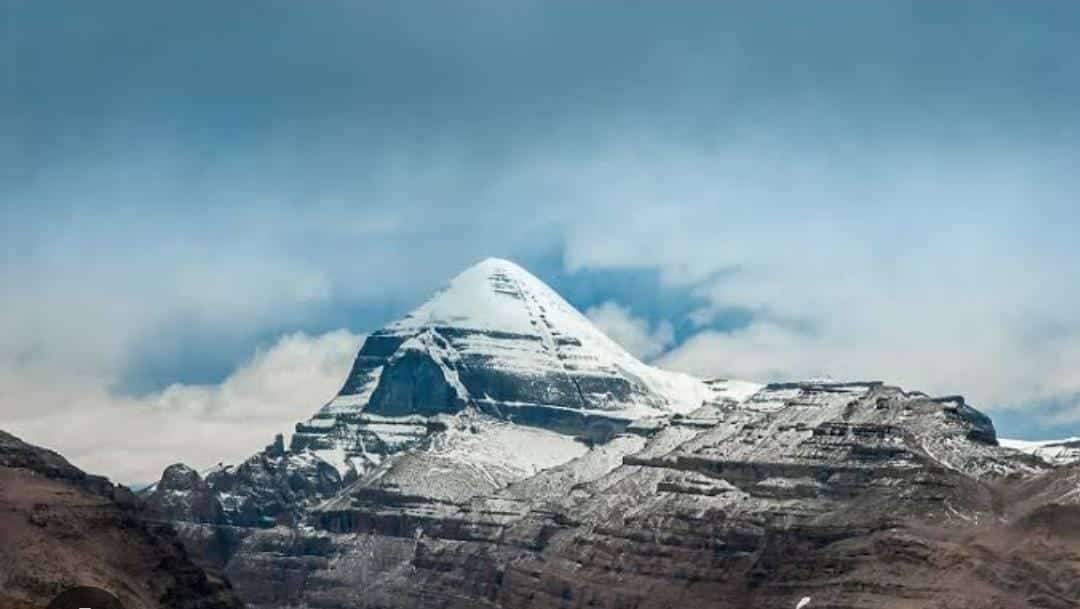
<point>494,294</point>
<point>494,378</point>
<point>495,344</point>
<point>499,296</point>
<point>513,342</point>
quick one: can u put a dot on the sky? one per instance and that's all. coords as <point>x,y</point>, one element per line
<point>205,206</point>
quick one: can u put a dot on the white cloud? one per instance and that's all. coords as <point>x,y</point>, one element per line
<point>633,333</point>
<point>920,221</point>
<point>938,263</point>
<point>132,440</point>
<point>922,339</point>
<point>942,259</point>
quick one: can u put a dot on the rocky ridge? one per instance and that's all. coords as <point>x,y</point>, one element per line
<point>61,527</point>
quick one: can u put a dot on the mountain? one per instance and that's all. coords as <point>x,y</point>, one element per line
<point>61,527</point>
<point>493,449</point>
<point>498,341</point>
<point>496,378</point>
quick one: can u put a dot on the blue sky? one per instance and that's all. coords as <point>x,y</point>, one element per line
<point>766,189</point>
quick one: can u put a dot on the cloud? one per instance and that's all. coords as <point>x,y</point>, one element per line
<point>631,332</point>
<point>133,439</point>
<point>942,271</point>
<point>876,192</point>
<point>936,259</point>
<point>978,340</point>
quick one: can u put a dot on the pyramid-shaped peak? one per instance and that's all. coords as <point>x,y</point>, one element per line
<point>496,295</point>
<point>494,274</point>
<point>500,340</point>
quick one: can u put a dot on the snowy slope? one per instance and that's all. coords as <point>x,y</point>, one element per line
<point>1057,452</point>
<point>475,455</point>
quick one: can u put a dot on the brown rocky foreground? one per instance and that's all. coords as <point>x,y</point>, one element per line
<point>61,527</point>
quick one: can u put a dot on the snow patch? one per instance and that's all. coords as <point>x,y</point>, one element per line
<point>1057,452</point>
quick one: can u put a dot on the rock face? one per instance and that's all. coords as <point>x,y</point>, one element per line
<point>273,487</point>
<point>183,495</point>
<point>61,527</point>
<point>493,449</point>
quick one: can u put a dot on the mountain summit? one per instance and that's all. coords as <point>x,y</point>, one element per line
<point>500,341</point>
<point>496,345</point>
<point>493,379</point>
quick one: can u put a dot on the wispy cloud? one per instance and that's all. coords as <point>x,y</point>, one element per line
<point>633,333</point>
<point>133,439</point>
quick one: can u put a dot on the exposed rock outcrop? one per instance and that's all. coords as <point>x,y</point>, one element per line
<point>61,527</point>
